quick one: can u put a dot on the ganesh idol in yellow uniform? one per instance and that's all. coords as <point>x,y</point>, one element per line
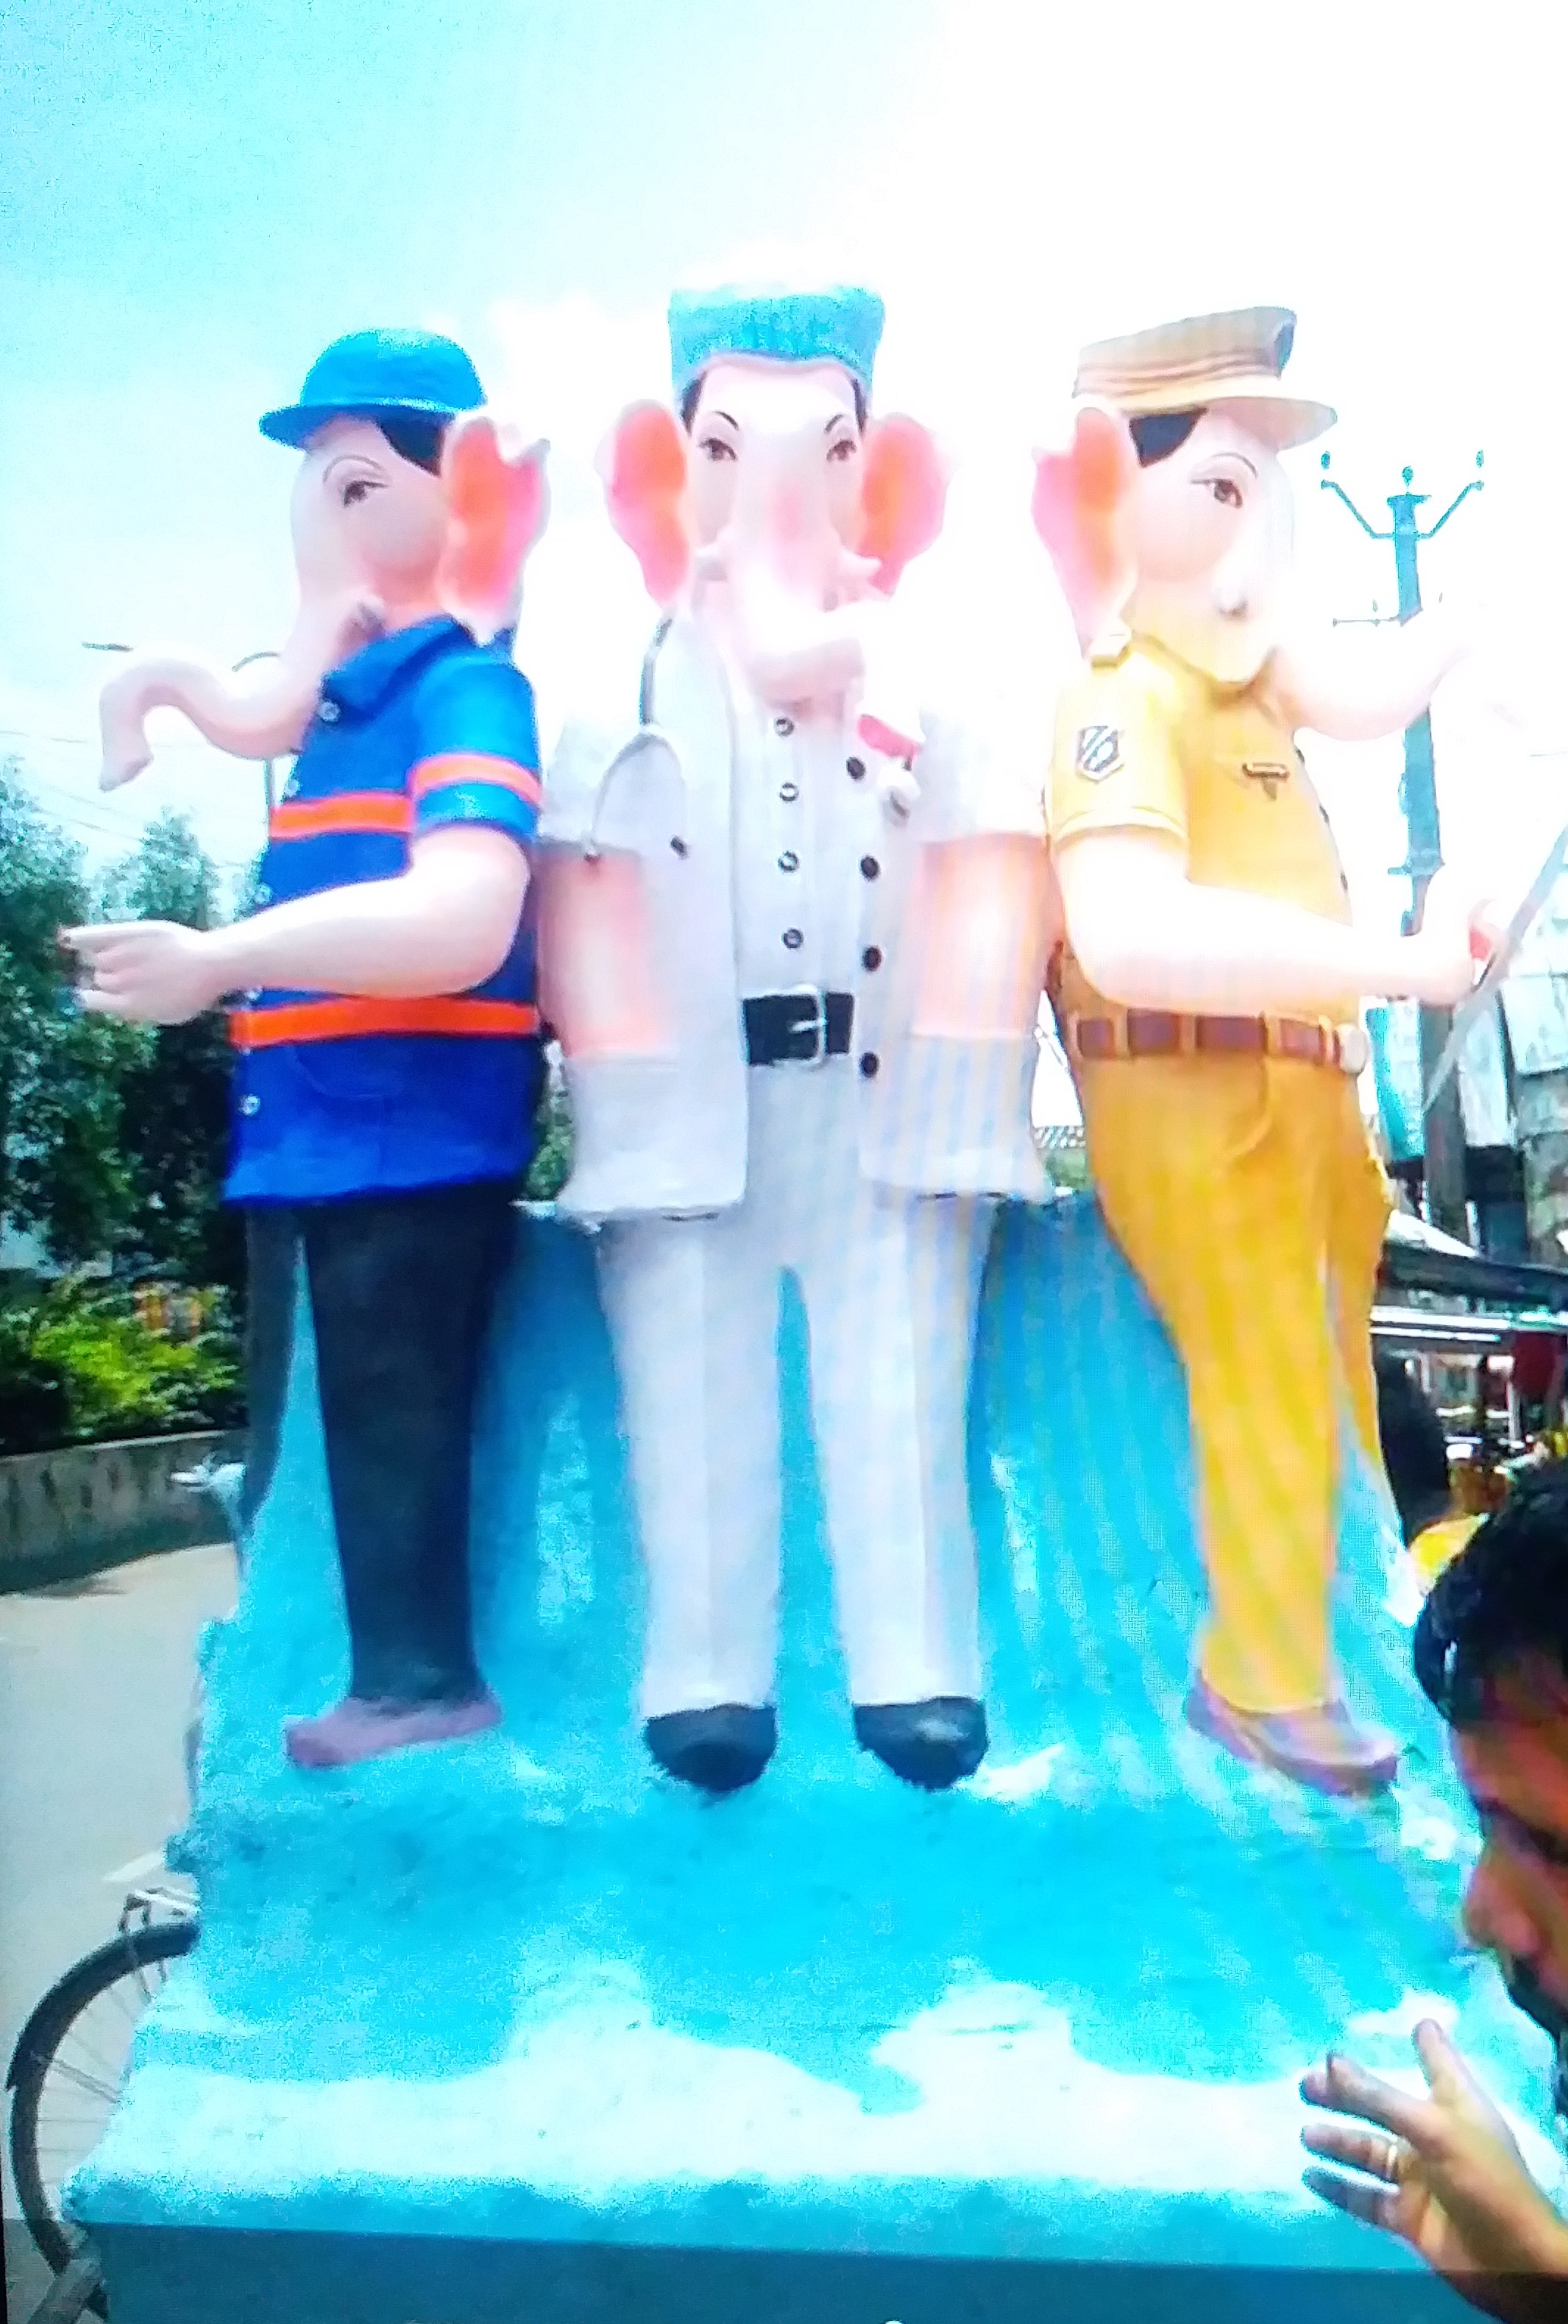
<point>1209,988</point>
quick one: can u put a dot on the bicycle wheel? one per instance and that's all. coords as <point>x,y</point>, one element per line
<point>68,2068</point>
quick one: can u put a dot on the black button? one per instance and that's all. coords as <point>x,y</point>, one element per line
<point>793,939</point>
<point>789,793</point>
<point>857,767</point>
<point>872,957</point>
<point>869,1065</point>
<point>783,725</point>
<point>868,867</point>
<point>789,861</point>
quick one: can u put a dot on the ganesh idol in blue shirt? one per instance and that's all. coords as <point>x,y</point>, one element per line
<point>381,991</point>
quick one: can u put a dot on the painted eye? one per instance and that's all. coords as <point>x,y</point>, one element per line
<point>842,447</point>
<point>357,488</point>
<point>1226,491</point>
<point>713,448</point>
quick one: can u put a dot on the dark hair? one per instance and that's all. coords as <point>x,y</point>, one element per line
<point>416,436</point>
<point>1157,434</point>
<point>691,395</point>
<point>1414,1446</point>
<point>1502,1603</point>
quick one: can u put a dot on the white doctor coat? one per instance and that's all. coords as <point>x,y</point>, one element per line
<point>664,1131</point>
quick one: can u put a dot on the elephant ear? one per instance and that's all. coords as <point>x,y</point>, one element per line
<point>498,504</point>
<point>642,462</point>
<point>1082,512</point>
<point>904,493</point>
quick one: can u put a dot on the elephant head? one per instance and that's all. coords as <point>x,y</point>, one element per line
<point>398,515</point>
<point>770,504</point>
<point>1171,510</point>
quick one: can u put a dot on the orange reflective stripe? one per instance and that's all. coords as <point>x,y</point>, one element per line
<point>351,811</point>
<point>346,1019</point>
<point>475,767</point>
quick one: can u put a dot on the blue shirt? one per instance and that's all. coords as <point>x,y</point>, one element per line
<point>336,1096</point>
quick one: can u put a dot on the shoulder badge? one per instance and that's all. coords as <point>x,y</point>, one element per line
<point>1097,752</point>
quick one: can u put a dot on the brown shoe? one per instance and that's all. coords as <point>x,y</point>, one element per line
<point>1321,1747</point>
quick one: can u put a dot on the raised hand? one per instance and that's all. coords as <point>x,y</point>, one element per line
<point>1445,2174</point>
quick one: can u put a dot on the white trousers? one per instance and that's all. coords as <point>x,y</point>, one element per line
<point>890,1284</point>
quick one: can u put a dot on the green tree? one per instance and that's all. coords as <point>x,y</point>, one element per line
<point>175,1092</point>
<point>170,877</point>
<point>552,1161</point>
<point>62,1171</point>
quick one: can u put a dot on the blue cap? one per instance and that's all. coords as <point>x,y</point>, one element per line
<point>376,375</point>
<point>840,325</point>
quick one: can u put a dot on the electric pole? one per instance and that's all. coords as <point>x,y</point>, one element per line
<point>1444,1128</point>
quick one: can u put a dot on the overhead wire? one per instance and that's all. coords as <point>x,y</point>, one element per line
<point>95,816</point>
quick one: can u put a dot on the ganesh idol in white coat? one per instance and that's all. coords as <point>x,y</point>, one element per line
<point>794,934</point>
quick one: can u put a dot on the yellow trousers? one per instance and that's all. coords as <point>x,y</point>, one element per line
<point>1247,1197</point>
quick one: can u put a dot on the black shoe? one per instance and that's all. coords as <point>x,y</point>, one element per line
<point>932,1744</point>
<point>720,1750</point>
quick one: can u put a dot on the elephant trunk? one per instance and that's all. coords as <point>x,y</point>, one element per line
<point>261,712</point>
<point>790,574</point>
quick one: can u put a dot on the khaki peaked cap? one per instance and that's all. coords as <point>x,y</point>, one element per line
<point>1235,359</point>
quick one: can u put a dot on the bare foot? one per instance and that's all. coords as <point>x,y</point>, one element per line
<point>356,1729</point>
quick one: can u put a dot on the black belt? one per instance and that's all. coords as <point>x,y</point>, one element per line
<point>797,1029</point>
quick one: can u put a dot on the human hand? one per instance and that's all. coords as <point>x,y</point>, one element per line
<point>1460,930</point>
<point>148,972</point>
<point>1448,2180</point>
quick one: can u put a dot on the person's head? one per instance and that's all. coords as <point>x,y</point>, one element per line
<point>1492,1653</point>
<point>768,443</point>
<point>1211,537</point>
<point>1172,510</point>
<point>371,421</point>
<point>407,505</point>
<point>798,418</point>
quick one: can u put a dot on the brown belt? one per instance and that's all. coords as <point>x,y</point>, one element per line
<point>1161,1033</point>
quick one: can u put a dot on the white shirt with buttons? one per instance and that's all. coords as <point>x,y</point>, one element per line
<point>806,833</point>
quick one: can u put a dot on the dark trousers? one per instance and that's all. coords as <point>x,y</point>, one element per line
<point>401,1289</point>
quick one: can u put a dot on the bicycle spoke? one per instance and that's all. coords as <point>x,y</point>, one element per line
<point>109,2091</point>
<point>76,2071</point>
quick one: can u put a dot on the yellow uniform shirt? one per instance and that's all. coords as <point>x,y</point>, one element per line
<point>1146,743</point>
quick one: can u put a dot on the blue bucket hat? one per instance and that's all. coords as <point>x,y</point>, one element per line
<point>377,375</point>
<point>838,324</point>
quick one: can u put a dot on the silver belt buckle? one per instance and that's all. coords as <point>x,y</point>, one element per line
<point>818,1020</point>
<point>1354,1049</point>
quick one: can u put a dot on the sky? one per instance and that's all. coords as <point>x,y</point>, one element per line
<point>196,199</point>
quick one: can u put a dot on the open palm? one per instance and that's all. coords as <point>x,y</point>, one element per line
<point>1445,2174</point>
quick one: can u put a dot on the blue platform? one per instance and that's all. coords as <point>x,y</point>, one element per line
<point>517,2027</point>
